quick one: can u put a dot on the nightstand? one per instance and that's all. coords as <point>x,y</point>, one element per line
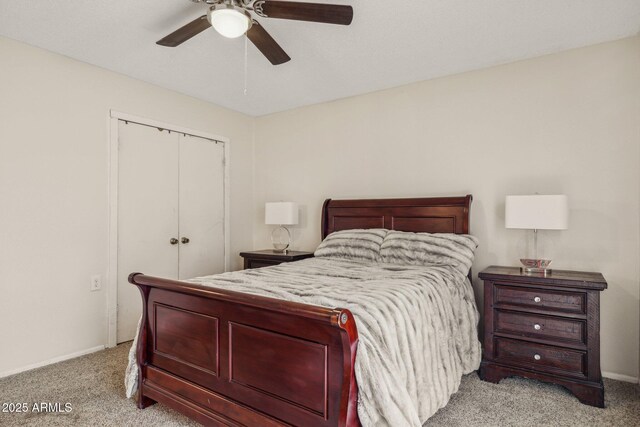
<point>265,258</point>
<point>544,327</point>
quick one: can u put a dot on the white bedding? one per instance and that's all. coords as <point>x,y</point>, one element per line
<point>417,327</point>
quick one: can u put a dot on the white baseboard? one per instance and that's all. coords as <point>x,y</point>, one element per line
<point>51,361</point>
<point>620,377</point>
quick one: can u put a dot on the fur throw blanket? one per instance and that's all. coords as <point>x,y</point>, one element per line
<point>417,328</point>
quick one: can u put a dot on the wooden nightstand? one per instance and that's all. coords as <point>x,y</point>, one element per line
<point>265,258</point>
<point>544,327</point>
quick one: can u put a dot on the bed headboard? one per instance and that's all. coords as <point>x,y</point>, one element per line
<point>426,215</point>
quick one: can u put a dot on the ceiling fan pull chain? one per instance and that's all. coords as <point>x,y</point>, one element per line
<point>245,63</point>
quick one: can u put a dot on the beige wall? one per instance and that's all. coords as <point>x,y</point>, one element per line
<point>53,193</point>
<point>566,123</point>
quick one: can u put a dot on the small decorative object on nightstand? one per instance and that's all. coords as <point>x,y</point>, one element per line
<point>545,327</point>
<point>265,258</point>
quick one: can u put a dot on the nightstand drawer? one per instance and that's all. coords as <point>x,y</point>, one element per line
<point>539,357</point>
<point>269,257</point>
<point>570,302</point>
<point>557,329</point>
<point>261,263</point>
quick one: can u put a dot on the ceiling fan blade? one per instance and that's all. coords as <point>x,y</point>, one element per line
<point>266,44</point>
<point>313,12</point>
<point>183,34</point>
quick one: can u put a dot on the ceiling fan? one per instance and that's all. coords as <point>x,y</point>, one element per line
<point>233,18</point>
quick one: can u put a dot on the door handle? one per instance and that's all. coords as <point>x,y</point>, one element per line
<point>185,240</point>
<point>173,241</point>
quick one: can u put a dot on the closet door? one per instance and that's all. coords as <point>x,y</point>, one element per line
<point>148,196</point>
<point>201,216</point>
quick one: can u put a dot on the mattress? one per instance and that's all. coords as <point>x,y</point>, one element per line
<point>417,328</point>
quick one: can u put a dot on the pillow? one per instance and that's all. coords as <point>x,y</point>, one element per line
<point>353,244</point>
<point>443,249</point>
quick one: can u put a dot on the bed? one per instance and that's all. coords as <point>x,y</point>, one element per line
<point>224,357</point>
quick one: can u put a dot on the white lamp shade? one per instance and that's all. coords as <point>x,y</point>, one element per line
<point>540,212</point>
<point>229,21</point>
<point>281,213</point>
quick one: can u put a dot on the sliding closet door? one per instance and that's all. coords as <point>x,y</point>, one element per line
<point>201,207</point>
<point>148,196</point>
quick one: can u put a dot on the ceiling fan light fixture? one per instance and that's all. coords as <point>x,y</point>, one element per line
<point>229,20</point>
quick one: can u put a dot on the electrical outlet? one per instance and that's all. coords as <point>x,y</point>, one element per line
<point>95,284</point>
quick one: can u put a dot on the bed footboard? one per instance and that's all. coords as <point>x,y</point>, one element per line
<point>229,358</point>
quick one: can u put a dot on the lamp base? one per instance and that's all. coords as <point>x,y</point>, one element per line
<point>535,266</point>
<point>281,239</point>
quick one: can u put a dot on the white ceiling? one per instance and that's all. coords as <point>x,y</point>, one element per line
<point>389,43</point>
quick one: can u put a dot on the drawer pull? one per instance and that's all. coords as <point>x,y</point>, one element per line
<point>537,327</point>
<point>537,357</point>
<point>537,299</point>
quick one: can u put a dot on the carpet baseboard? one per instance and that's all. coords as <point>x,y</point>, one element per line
<point>51,361</point>
<point>621,377</point>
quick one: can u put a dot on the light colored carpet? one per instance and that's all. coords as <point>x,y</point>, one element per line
<point>93,385</point>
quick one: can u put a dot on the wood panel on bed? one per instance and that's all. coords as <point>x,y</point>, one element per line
<point>423,215</point>
<point>229,358</point>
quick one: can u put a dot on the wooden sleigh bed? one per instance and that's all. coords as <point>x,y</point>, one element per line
<point>197,345</point>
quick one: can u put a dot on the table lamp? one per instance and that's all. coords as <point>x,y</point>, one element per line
<point>536,212</point>
<point>281,213</point>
